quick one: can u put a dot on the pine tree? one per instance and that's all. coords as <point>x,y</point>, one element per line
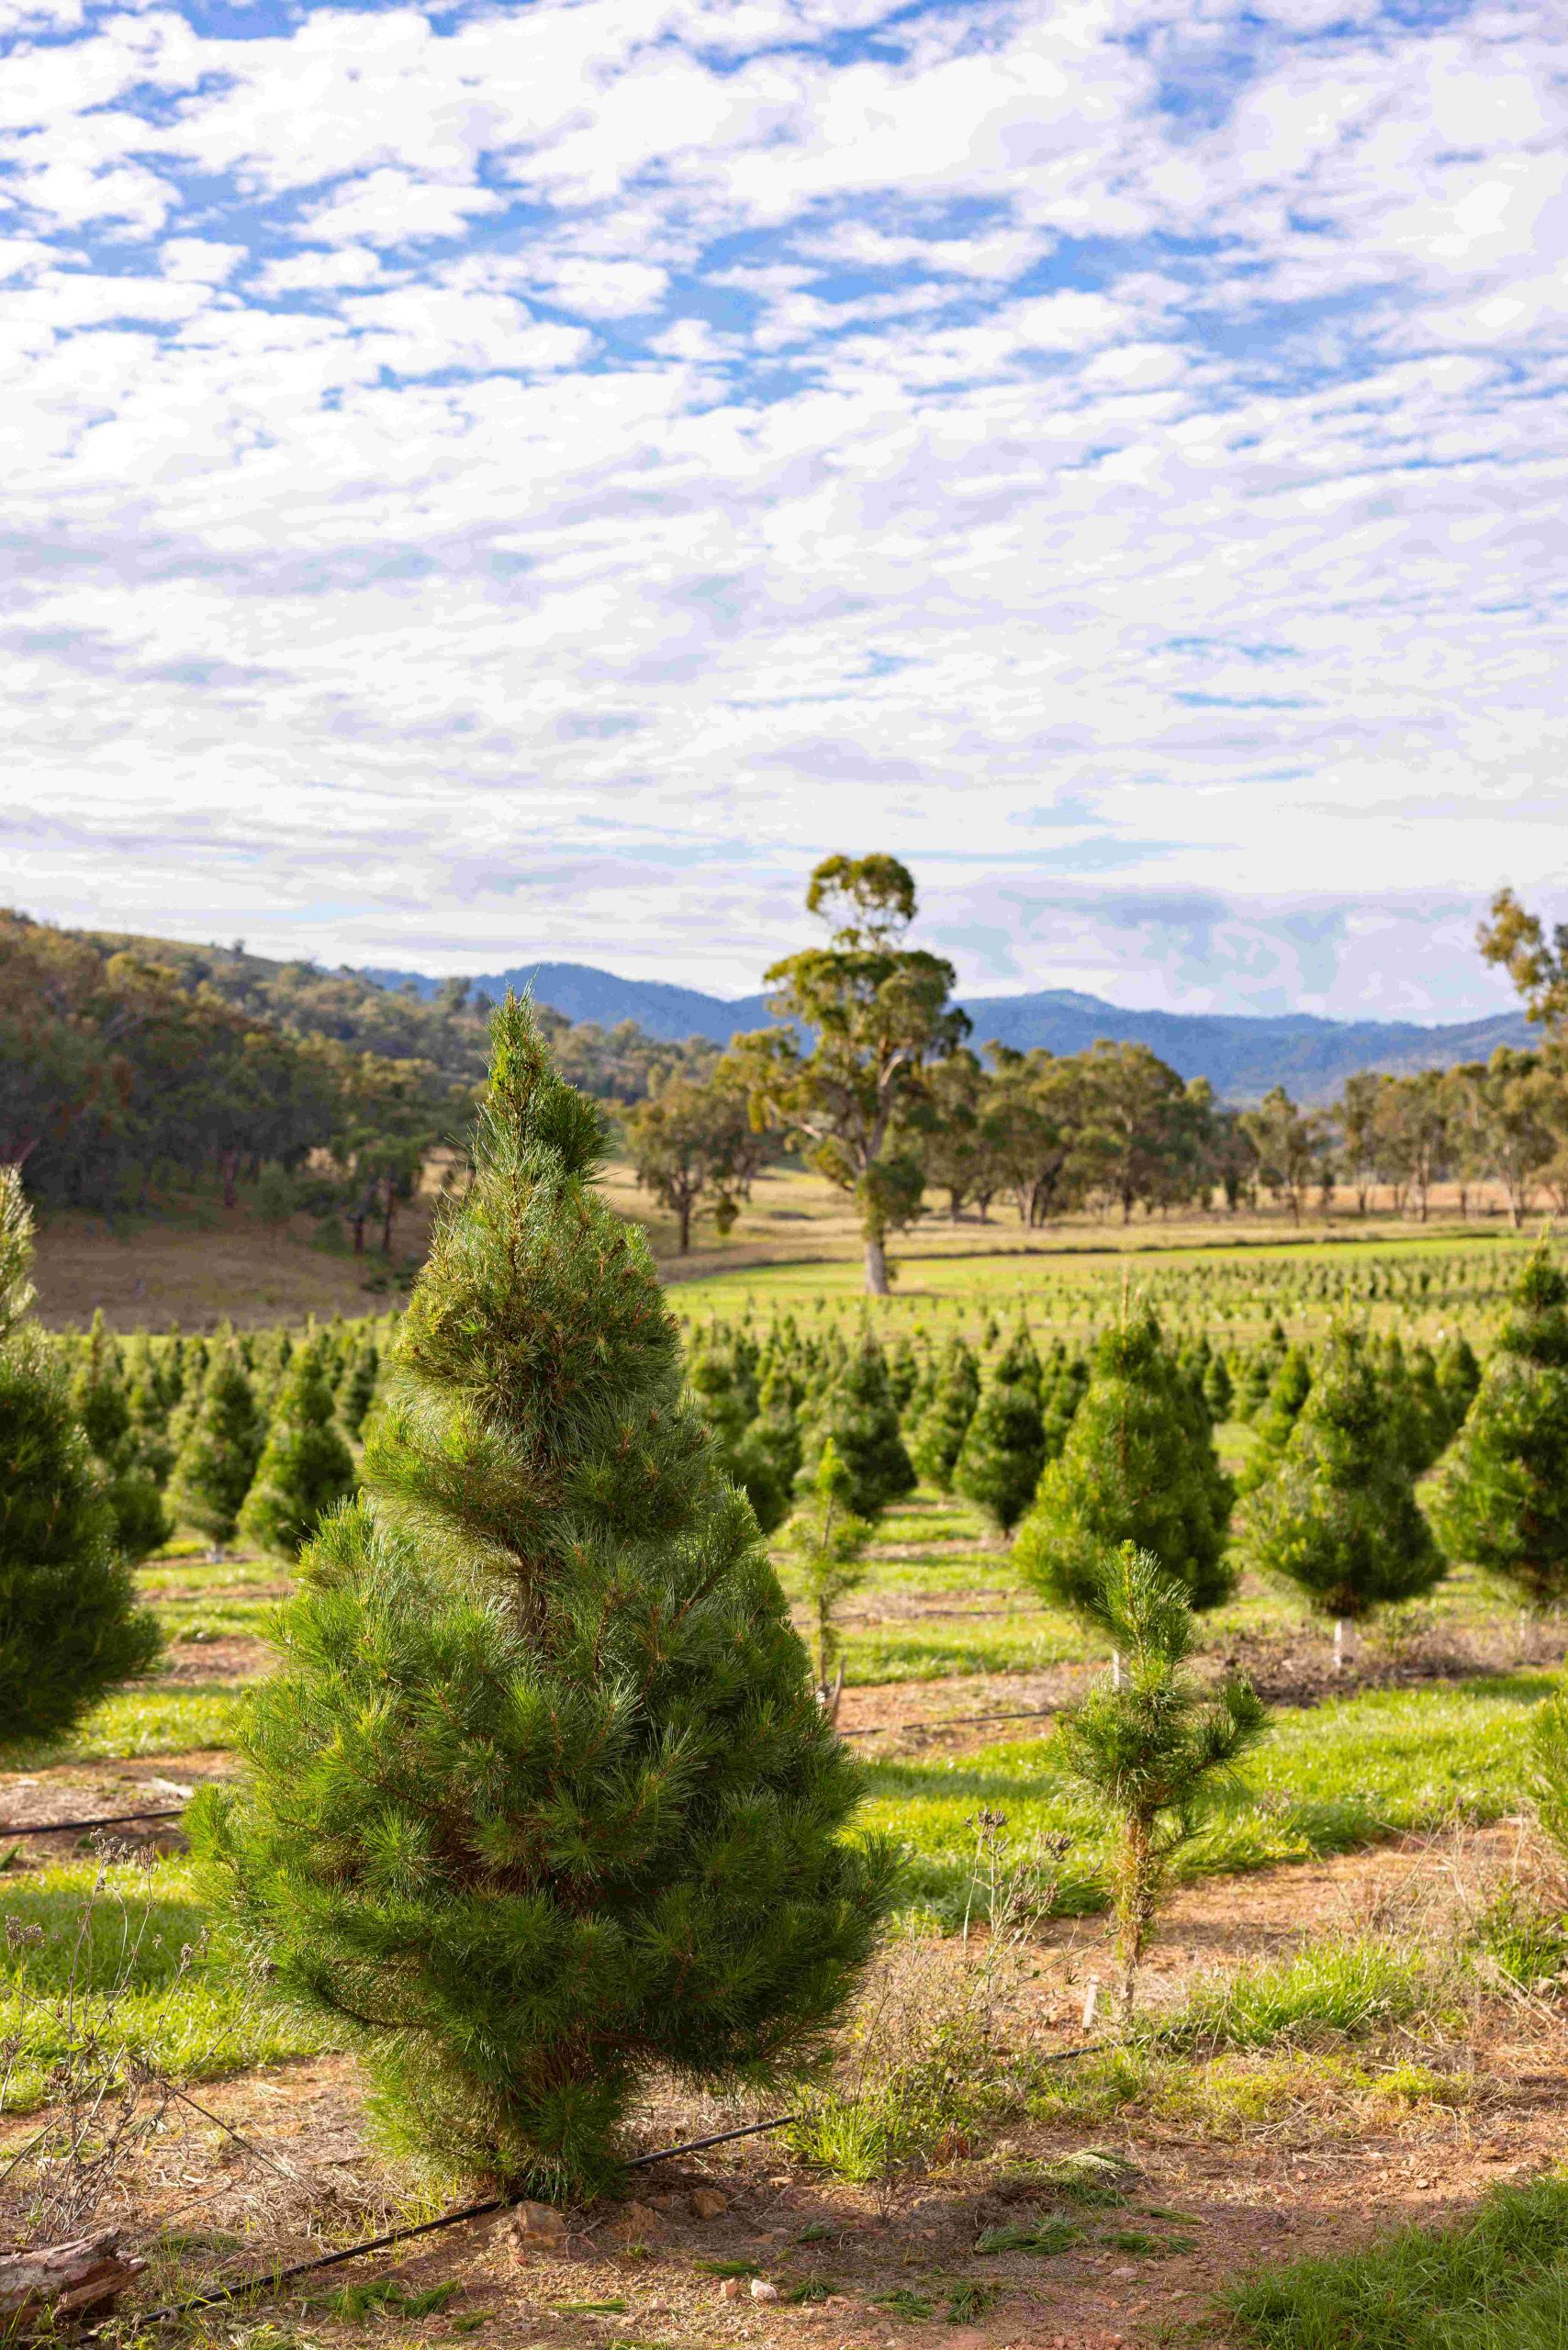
<point>356,1388</point>
<point>1338,1515</point>
<point>857,1414</point>
<point>1060,1400</point>
<point>1458,1377</point>
<point>1291,1387</point>
<point>829,1541</point>
<point>540,1796</point>
<point>1138,1466</point>
<point>1401,1405</point>
<point>1501,1501</point>
<point>70,1626</point>
<point>939,1437</point>
<point>1219,1392</point>
<point>1004,1450</point>
<point>904,1375</point>
<point>100,1403</point>
<point>1432,1406</point>
<point>215,1465</point>
<point>776,1428</point>
<point>1147,1744</point>
<point>305,1468</point>
<point>727,1401</point>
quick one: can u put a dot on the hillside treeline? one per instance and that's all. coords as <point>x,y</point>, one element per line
<point>450,1030</point>
<point>130,1066</point>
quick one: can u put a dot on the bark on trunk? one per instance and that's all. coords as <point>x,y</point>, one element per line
<point>63,2279</point>
<point>876,1266</point>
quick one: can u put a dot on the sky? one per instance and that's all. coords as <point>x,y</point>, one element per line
<point>487,483</point>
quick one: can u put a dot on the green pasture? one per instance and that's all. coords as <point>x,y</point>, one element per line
<point>1329,1779</point>
<point>1233,1288</point>
<point>131,1950</point>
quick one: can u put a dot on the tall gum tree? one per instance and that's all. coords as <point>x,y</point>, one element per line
<point>878,1016</point>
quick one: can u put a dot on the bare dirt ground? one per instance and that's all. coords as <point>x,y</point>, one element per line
<point>1316,2164</point>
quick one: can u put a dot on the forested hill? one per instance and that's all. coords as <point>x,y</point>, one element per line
<point>1241,1055</point>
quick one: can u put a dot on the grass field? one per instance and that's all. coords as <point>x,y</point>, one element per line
<point>1304,1995</point>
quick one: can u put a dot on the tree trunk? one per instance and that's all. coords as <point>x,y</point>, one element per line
<point>876,1265</point>
<point>228,1165</point>
<point>62,2280</point>
<point>1339,1644</point>
<point>388,1209</point>
<point>683,1217</point>
<point>1134,1907</point>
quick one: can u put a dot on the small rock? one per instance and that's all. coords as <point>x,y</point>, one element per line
<point>729,2290</point>
<point>761,2290</point>
<point>634,2217</point>
<point>1123,2272</point>
<point>707,2202</point>
<point>536,2224</point>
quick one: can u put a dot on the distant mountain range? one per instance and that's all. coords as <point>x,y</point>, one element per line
<point>1242,1055</point>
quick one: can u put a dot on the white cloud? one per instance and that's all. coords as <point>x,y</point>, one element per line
<point>1150,410</point>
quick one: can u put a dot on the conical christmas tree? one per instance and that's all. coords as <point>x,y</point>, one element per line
<point>540,1796</point>
<point>1219,1390</point>
<point>70,1626</point>
<point>305,1468</point>
<point>1003,1451</point>
<point>1292,1386</point>
<point>99,1401</point>
<point>1431,1404</point>
<point>904,1375</point>
<point>727,1401</point>
<point>1338,1515</point>
<point>776,1428</point>
<point>955,1397</point>
<point>1502,1492</point>
<point>1138,1466</point>
<point>356,1388</point>
<point>1060,1397</point>
<point>217,1461</point>
<point>857,1413</point>
<point>1458,1377</point>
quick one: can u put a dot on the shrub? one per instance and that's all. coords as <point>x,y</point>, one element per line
<point>539,1797</point>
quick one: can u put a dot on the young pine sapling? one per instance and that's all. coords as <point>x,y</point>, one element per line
<point>1147,1747</point>
<point>829,1540</point>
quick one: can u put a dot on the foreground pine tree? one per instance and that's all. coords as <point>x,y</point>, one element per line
<point>1502,1494</point>
<point>1138,1466</point>
<point>70,1628</point>
<point>1339,1517</point>
<point>305,1468</point>
<point>540,1796</point>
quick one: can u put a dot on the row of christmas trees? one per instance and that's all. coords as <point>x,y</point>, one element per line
<point>1077,1452</point>
<point>538,1798</point>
